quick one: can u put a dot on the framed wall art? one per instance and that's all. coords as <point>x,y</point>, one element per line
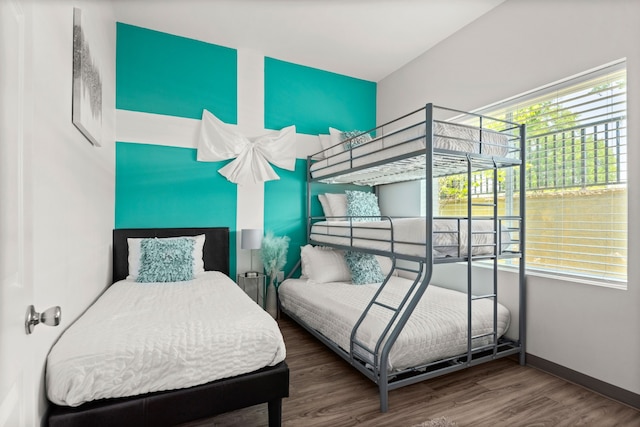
<point>86,102</point>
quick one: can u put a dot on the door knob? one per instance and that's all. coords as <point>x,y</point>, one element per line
<point>50,317</point>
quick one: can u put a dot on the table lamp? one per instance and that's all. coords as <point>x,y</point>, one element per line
<point>251,238</point>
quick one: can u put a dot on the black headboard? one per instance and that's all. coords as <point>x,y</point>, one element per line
<point>215,252</point>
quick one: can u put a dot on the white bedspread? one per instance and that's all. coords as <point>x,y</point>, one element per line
<point>146,337</point>
<point>437,328</point>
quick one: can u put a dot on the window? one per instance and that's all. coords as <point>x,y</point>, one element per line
<point>576,176</point>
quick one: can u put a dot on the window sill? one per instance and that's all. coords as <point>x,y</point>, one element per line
<point>621,286</point>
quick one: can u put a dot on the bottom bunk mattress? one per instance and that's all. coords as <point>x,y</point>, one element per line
<point>407,236</point>
<point>436,330</point>
<point>144,337</point>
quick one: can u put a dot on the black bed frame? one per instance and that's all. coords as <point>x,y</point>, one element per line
<point>170,408</point>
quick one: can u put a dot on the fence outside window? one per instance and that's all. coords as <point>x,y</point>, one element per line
<point>576,176</point>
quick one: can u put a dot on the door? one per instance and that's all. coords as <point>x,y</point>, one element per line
<point>17,396</point>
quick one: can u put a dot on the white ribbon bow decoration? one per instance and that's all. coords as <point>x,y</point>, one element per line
<point>220,141</point>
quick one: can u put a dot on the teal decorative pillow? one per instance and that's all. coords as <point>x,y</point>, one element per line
<point>364,268</point>
<point>363,205</point>
<point>358,136</point>
<point>166,260</point>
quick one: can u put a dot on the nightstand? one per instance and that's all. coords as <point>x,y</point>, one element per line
<point>254,285</point>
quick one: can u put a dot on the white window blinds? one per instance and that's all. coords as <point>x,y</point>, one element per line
<point>576,175</point>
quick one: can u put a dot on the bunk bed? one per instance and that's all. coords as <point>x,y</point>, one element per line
<point>403,329</point>
<point>164,354</point>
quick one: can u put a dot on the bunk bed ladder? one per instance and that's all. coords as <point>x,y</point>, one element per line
<point>357,347</point>
<point>471,258</point>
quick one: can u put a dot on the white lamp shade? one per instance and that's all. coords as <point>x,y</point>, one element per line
<point>251,238</point>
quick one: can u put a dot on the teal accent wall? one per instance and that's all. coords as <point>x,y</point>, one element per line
<point>285,211</point>
<point>315,100</point>
<point>165,74</point>
<point>159,186</point>
<point>285,207</point>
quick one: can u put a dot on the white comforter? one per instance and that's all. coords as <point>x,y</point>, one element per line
<point>146,337</point>
<point>437,328</point>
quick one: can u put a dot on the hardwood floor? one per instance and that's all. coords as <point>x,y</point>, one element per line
<point>326,391</point>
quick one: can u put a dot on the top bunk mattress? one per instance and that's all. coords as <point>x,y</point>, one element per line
<point>448,137</point>
<point>146,337</point>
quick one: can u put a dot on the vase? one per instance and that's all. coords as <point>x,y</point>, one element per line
<point>272,305</point>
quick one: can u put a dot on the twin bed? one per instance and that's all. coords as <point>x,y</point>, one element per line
<point>162,354</point>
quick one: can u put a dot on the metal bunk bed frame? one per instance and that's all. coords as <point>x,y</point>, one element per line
<point>373,363</point>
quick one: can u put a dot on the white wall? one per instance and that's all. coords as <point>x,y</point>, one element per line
<point>518,46</point>
<point>71,183</point>
<point>400,199</point>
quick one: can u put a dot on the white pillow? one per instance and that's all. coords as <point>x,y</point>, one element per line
<point>326,208</point>
<point>336,136</point>
<point>134,255</point>
<point>303,266</point>
<point>337,204</point>
<point>335,141</point>
<point>325,143</point>
<point>385,265</point>
<point>324,265</point>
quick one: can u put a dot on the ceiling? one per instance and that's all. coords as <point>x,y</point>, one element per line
<point>367,39</point>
